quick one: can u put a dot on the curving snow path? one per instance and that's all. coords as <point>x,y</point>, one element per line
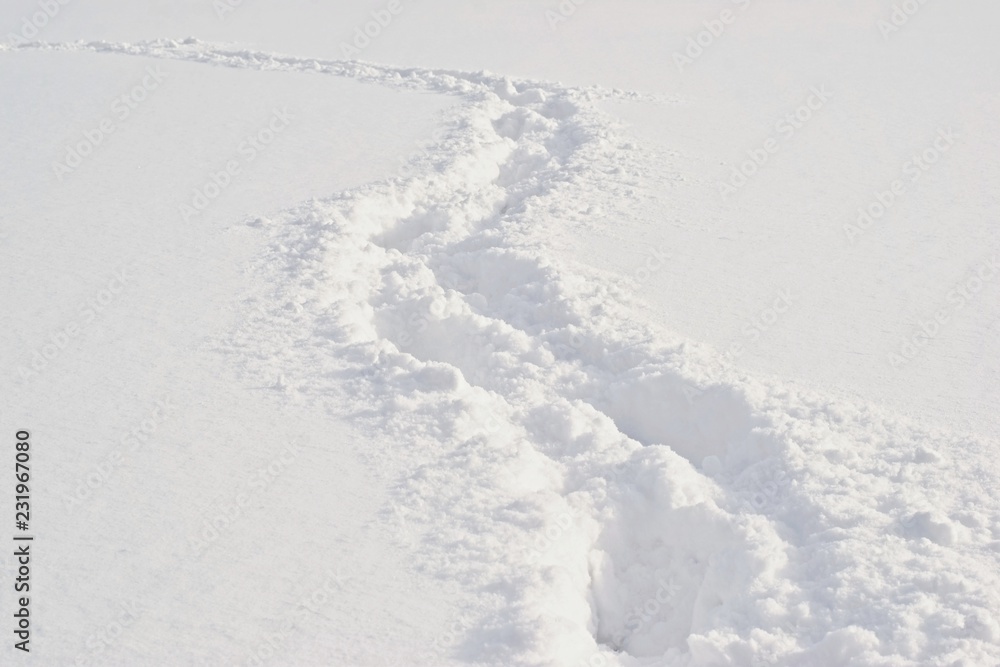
<point>613,495</point>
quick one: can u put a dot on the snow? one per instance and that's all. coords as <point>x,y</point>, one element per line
<point>458,364</point>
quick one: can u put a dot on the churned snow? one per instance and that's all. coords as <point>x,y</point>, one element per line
<point>427,365</point>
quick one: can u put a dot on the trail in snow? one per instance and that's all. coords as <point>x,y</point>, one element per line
<point>621,496</point>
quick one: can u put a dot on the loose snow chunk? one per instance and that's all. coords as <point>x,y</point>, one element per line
<point>934,526</point>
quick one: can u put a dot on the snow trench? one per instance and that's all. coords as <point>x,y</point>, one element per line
<point>619,496</point>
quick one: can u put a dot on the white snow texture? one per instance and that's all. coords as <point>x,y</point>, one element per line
<point>608,493</point>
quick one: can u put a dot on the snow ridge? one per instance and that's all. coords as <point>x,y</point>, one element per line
<point>412,78</point>
<point>620,496</point>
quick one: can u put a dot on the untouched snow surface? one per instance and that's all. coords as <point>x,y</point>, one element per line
<point>436,398</point>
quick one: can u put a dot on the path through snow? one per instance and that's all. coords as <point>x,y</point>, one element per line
<point>620,496</point>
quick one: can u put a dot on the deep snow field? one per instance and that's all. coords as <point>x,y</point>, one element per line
<point>602,333</point>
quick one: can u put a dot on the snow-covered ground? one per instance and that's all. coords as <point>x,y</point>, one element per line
<point>514,333</point>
